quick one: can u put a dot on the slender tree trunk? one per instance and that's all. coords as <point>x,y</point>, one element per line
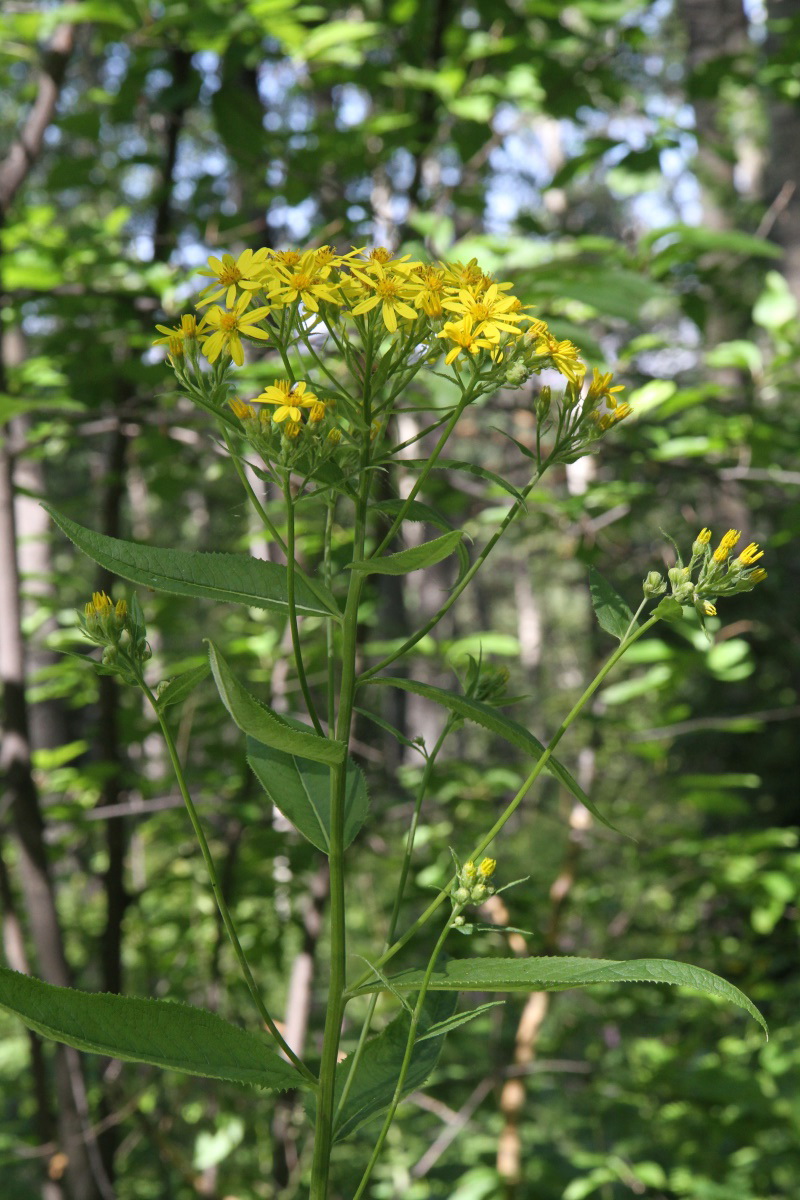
<point>782,174</point>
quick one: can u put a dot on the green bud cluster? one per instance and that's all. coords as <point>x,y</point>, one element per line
<point>472,883</point>
<point>119,628</point>
<point>709,574</point>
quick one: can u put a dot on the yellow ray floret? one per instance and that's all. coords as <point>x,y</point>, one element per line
<point>289,399</point>
<point>242,273</point>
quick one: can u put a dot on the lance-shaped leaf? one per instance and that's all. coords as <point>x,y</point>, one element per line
<point>301,790</point>
<point>177,689</point>
<point>413,559</point>
<point>453,464</point>
<point>261,723</point>
<point>378,1070</point>
<point>496,722</point>
<point>237,578</point>
<point>611,611</point>
<point>174,1036</point>
<point>558,974</point>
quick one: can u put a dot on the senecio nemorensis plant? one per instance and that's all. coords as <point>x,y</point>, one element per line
<point>347,334</point>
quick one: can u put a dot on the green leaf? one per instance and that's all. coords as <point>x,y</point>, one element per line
<point>301,790</point>
<point>174,1036</point>
<point>611,611</point>
<point>413,559</point>
<point>261,723</point>
<point>455,464</point>
<point>459,1019</point>
<point>237,578</point>
<point>668,609</point>
<point>181,686</point>
<point>417,511</point>
<point>496,722</point>
<point>379,1067</point>
<point>558,974</point>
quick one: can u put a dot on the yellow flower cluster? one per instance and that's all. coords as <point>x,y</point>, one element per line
<point>455,303</point>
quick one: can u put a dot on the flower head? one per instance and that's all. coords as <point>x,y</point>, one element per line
<point>289,400</point>
<point>465,337</point>
<point>230,327</point>
<point>243,274</point>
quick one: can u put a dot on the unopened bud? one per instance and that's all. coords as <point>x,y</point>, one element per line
<point>654,584</point>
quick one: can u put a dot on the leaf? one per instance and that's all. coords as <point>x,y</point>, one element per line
<point>417,511</point>
<point>613,614</point>
<point>174,1036</point>
<point>181,686</point>
<point>459,1019</point>
<point>413,559</point>
<point>379,1067</point>
<point>301,791</point>
<point>455,464</point>
<point>237,578</point>
<point>668,609</point>
<point>558,974</point>
<point>496,722</point>
<point>261,723</point>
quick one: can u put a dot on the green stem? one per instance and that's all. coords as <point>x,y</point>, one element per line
<point>516,508</point>
<point>429,465</point>
<point>409,1051</point>
<point>514,804</point>
<point>323,1133</point>
<point>224,911</point>
<point>292,606</point>
<point>330,645</point>
<point>392,928</point>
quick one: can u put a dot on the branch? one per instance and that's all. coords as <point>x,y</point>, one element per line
<point>27,145</point>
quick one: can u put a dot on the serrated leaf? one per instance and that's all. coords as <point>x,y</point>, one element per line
<point>261,723</point>
<point>237,578</point>
<point>559,974</point>
<point>613,614</point>
<point>413,559</point>
<point>174,1036</point>
<point>379,1067</point>
<point>301,791</point>
<point>496,722</point>
<point>181,686</point>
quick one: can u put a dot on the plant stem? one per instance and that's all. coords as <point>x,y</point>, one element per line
<point>355,1058</point>
<point>514,804</point>
<point>224,911</point>
<point>429,465</point>
<point>407,645</point>
<point>406,1063</point>
<point>293,625</point>
<point>323,1133</point>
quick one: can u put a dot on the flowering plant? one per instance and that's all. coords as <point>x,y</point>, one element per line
<point>348,333</point>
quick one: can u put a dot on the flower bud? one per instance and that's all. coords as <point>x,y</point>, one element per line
<point>654,584</point>
<point>461,895</point>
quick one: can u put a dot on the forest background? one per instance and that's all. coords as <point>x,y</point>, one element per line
<point>635,170</point>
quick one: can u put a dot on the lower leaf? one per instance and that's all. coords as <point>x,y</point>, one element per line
<point>163,1033</point>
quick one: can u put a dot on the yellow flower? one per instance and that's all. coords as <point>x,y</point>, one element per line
<point>600,388</point>
<point>305,280</point>
<point>317,412</point>
<point>188,328</point>
<point>709,609</point>
<point>750,554</point>
<point>243,411</point>
<point>758,575</point>
<point>726,545</point>
<point>465,338</point>
<point>564,356</point>
<point>229,328</point>
<point>492,312</point>
<point>704,537</point>
<point>243,273</point>
<point>290,399</point>
<point>487,868</point>
<point>391,291</point>
<point>431,290</point>
<point>468,276</point>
